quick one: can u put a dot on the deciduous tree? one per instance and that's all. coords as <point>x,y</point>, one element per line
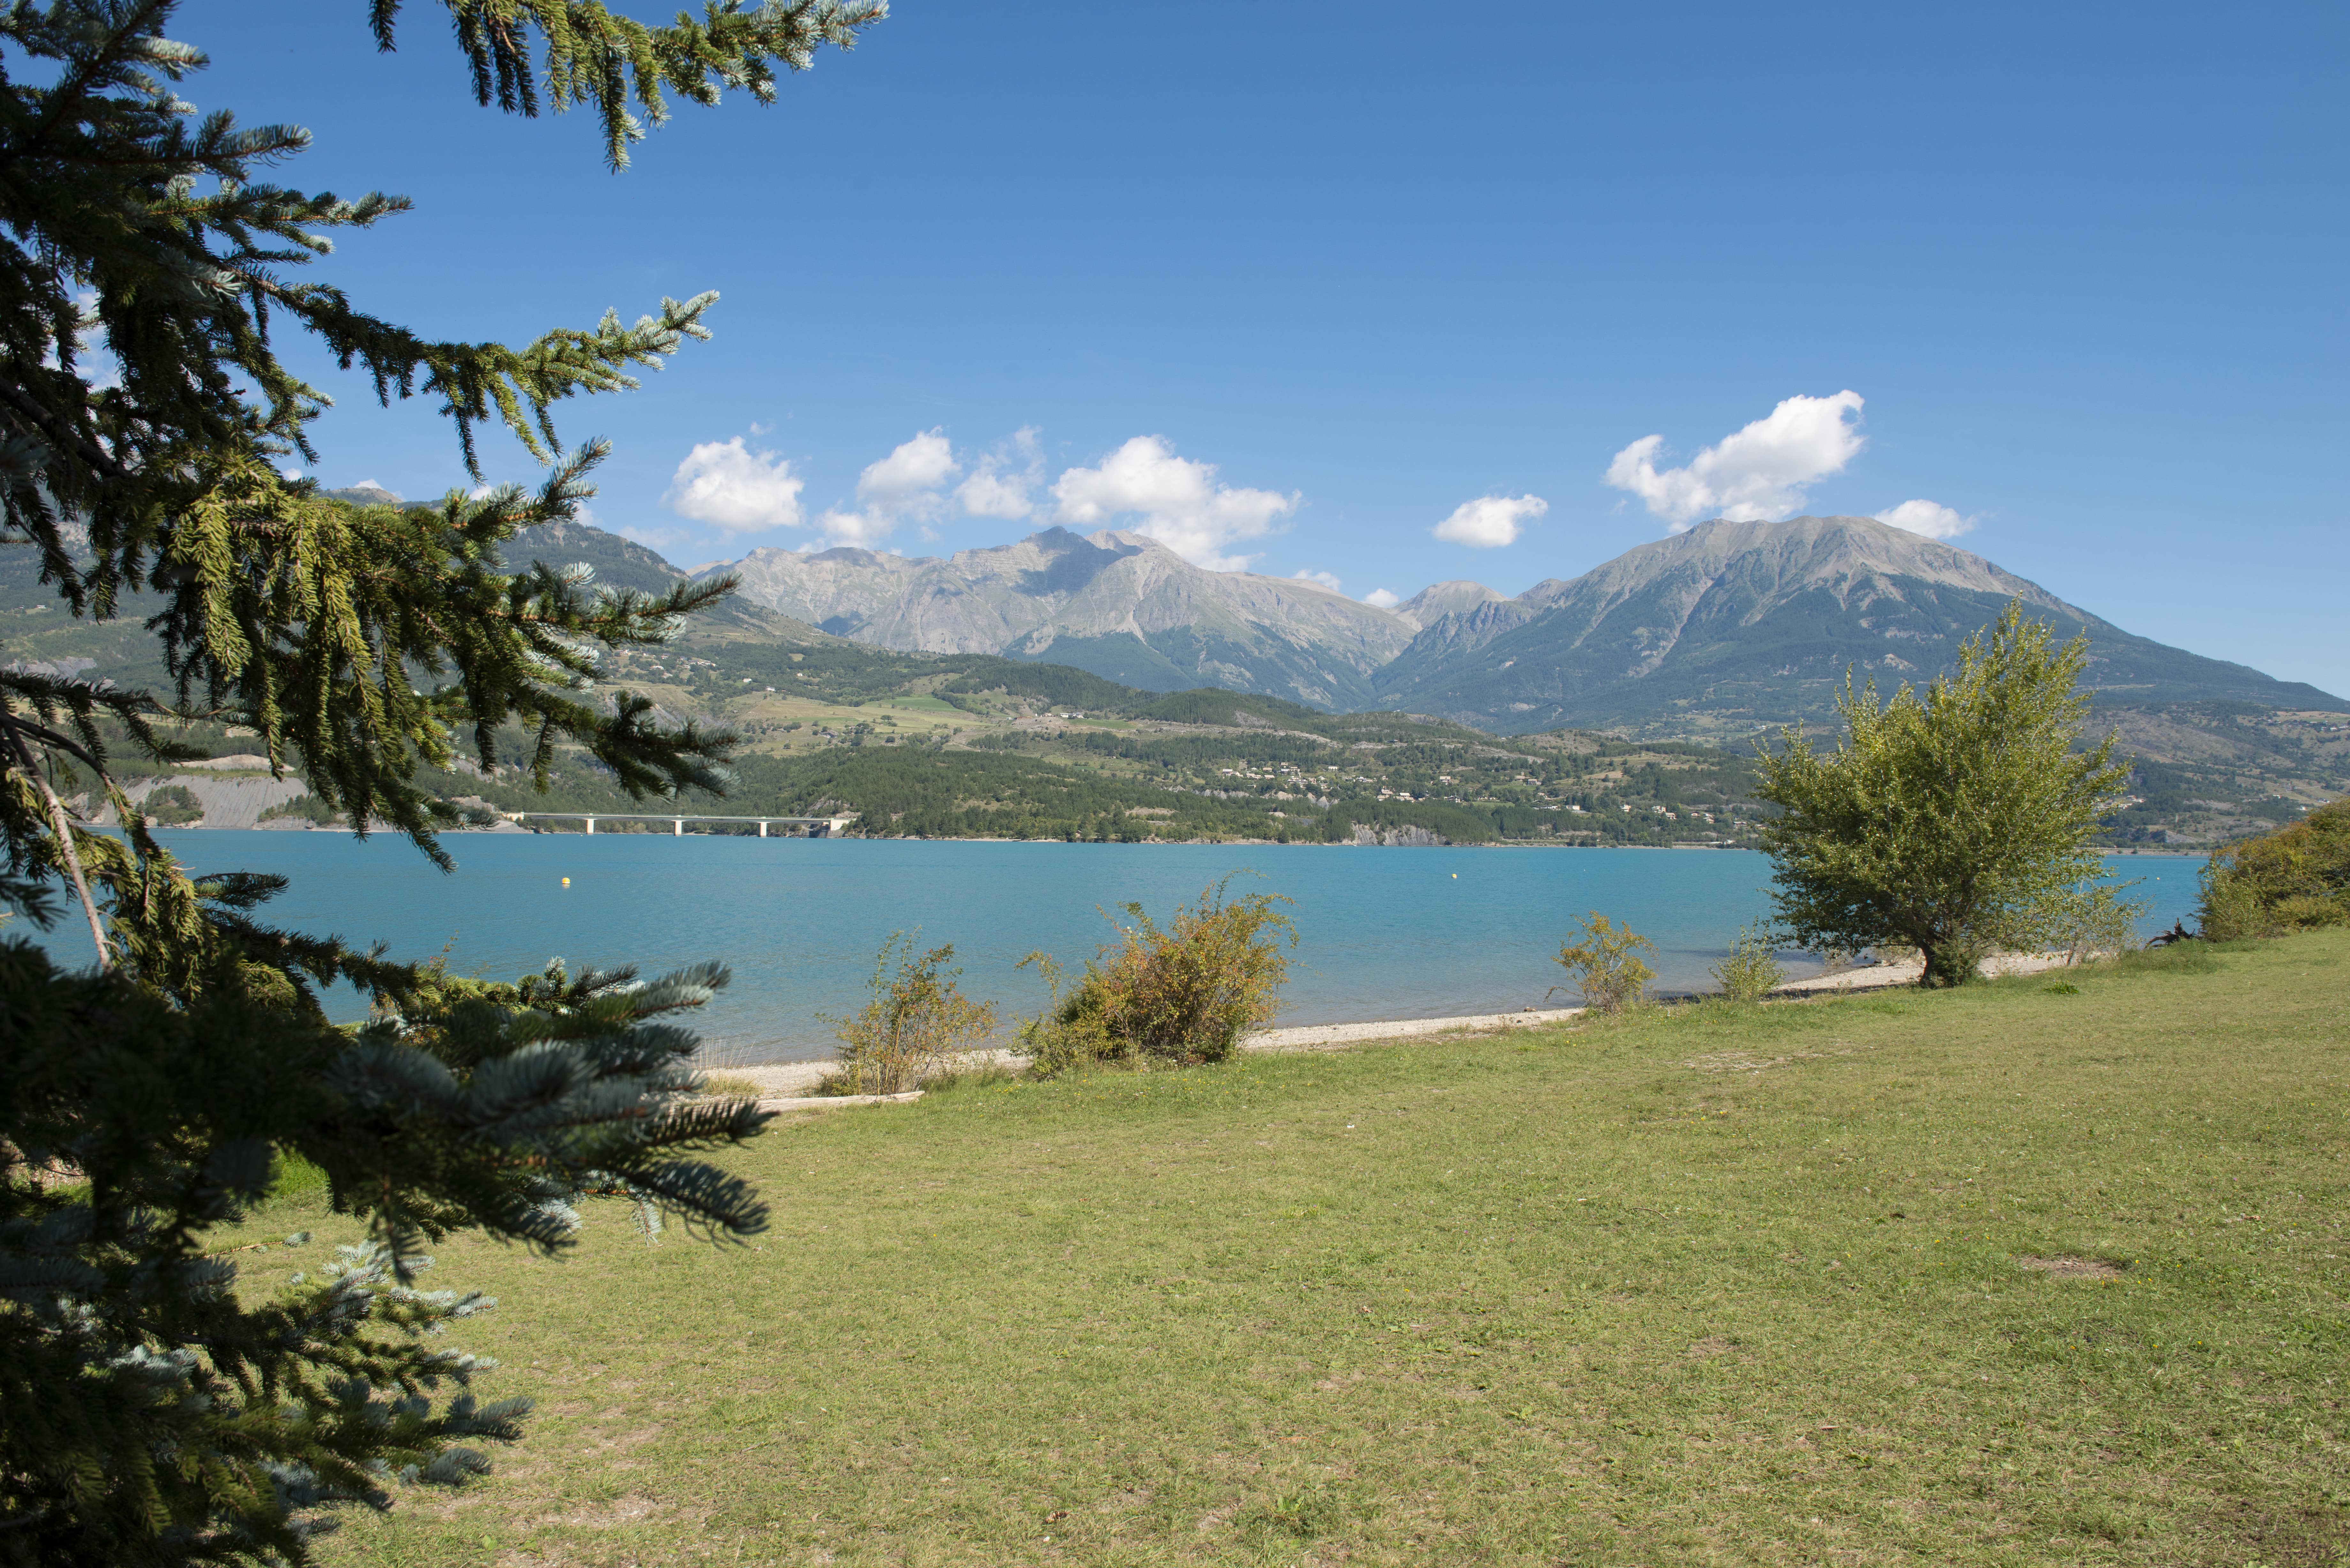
<point>1956,820</point>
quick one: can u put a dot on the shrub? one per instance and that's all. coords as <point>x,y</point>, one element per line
<point>917,1021</point>
<point>2295,879</point>
<point>1603,966</point>
<point>172,806</point>
<point>2097,923</point>
<point>1752,971</point>
<point>1173,995</point>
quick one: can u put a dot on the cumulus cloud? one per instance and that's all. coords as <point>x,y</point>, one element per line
<point>1757,474</point>
<point>1178,501</point>
<point>1001,480</point>
<point>904,486</point>
<point>1927,517</point>
<point>729,486</point>
<point>1381,597</point>
<point>1491,522</point>
<point>1319,579</point>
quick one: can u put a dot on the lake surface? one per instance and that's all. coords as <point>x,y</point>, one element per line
<point>1383,933</point>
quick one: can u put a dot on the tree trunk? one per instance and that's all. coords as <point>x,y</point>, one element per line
<point>1952,961</point>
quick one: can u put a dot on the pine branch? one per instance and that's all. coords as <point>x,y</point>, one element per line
<point>592,58</point>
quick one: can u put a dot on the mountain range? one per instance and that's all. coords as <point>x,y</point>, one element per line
<point>1708,636</point>
<point>1733,626</point>
<point>1722,630</point>
<point>1119,605</point>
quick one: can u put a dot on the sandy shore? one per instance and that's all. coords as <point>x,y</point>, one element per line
<point>791,1085</point>
<point>1874,976</point>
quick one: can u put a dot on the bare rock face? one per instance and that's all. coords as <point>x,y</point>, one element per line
<point>1398,837</point>
<point>1120,605</point>
<point>1440,600</point>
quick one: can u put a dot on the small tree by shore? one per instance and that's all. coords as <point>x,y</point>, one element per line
<point>1750,971</point>
<point>1956,821</point>
<point>1173,995</point>
<point>917,1021</point>
<point>1606,965</point>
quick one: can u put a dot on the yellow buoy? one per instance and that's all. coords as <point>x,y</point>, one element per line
<point>1456,876</point>
<point>567,881</point>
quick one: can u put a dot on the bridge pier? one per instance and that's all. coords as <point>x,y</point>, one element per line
<point>677,828</point>
<point>763,827</point>
<point>591,826</point>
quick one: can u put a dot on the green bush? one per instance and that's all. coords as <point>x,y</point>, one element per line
<point>2295,879</point>
<point>1752,971</point>
<point>172,806</point>
<point>1605,970</point>
<point>1171,995</point>
<point>309,808</point>
<point>917,1022</point>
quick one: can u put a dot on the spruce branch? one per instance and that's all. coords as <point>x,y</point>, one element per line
<point>591,57</point>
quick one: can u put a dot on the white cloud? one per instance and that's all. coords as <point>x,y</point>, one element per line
<point>1319,579</point>
<point>373,484</point>
<point>1927,517</point>
<point>1757,474</point>
<point>904,486</point>
<point>1179,501</point>
<point>1491,522</point>
<point>725,483</point>
<point>1381,597</point>
<point>290,474</point>
<point>908,480</point>
<point>995,488</point>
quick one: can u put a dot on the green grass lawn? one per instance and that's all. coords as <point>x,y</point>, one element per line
<point>1714,1286</point>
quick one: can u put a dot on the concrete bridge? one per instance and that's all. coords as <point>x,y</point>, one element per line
<point>808,827</point>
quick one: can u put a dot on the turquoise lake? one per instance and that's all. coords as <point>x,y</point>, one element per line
<point>1383,933</point>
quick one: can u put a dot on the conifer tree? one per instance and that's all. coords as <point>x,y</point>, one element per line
<point>149,1411</point>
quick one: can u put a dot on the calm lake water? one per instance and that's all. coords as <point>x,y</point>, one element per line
<point>1383,933</point>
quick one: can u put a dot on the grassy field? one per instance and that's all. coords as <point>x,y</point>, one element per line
<point>2001,1276</point>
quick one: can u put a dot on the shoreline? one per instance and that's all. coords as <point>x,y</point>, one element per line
<point>788,1086</point>
<point>284,825</point>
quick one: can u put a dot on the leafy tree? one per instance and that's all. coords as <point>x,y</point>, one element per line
<point>151,1411</point>
<point>1956,821</point>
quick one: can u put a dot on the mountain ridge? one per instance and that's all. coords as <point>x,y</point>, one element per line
<point>1731,627</point>
<point>1116,604</point>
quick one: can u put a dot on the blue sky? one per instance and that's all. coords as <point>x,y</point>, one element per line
<point>1367,289</point>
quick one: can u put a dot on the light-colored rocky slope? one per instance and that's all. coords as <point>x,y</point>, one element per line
<point>1118,604</point>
